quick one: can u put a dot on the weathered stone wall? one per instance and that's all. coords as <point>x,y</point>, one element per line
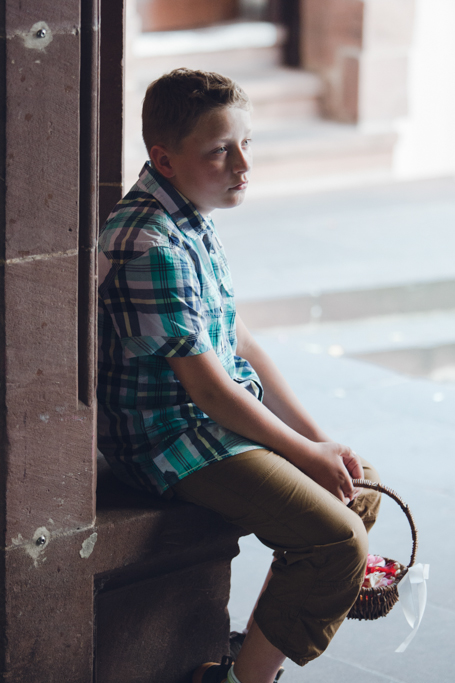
<point>49,442</point>
<point>60,566</point>
<point>47,430</point>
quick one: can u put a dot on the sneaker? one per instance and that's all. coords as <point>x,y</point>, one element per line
<point>212,672</point>
<point>217,673</point>
<point>236,640</point>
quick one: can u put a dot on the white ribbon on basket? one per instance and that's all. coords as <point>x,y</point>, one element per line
<point>412,591</point>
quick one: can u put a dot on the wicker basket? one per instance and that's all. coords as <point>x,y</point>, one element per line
<point>373,603</point>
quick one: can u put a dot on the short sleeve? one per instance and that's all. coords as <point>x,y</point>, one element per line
<point>155,304</point>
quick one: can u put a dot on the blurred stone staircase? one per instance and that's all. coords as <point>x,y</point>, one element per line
<point>294,147</point>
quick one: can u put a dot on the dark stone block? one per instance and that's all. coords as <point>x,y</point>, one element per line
<point>151,534</point>
<point>51,440</point>
<point>20,16</point>
<point>162,628</point>
<point>41,181</point>
<point>162,579</point>
<point>48,625</point>
<point>41,324</point>
<point>146,589</point>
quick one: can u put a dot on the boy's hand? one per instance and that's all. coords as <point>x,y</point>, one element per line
<point>333,467</point>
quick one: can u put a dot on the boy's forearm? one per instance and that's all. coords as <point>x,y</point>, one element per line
<point>242,413</point>
<point>230,405</point>
<point>278,395</point>
<point>234,408</point>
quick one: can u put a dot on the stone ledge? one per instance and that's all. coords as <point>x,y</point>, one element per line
<point>347,304</point>
<point>162,579</point>
<point>138,528</point>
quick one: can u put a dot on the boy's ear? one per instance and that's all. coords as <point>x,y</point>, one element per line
<point>161,159</point>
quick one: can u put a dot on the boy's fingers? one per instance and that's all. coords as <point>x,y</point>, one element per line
<point>360,474</point>
<point>353,464</point>
<point>348,489</point>
<point>345,497</point>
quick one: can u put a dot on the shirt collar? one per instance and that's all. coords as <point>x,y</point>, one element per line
<point>182,211</point>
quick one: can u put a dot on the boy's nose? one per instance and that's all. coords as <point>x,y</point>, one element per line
<point>242,161</point>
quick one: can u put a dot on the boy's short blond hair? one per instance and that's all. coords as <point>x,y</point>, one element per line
<point>174,103</point>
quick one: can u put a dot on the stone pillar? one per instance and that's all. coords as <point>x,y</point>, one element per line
<point>111,106</point>
<point>143,567</point>
<point>47,423</point>
<point>360,49</point>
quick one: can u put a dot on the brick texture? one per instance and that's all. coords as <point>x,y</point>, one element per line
<point>329,25</point>
<point>359,47</point>
<point>169,15</point>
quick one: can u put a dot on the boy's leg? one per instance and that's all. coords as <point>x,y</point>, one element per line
<point>366,505</point>
<point>323,545</point>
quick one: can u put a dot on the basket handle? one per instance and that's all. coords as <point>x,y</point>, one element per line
<point>364,483</point>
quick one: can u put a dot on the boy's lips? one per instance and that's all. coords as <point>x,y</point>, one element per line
<point>241,186</point>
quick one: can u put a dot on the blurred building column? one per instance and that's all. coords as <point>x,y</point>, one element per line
<point>171,15</point>
<point>427,142</point>
<point>361,50</point>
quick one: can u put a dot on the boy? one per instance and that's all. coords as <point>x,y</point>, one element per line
<point>190,405</point>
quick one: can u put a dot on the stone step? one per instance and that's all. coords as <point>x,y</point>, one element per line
<point>277,93</point>
<point>281,96</point>
<point>228,48</point>
<point>228,62</point>
<point>347,305</point>
<point>418,344</point>
<point>310,149</point>
<point>374,250</point>
<point>434,362</point>
<point>293,146</point>
<point>248,52</point>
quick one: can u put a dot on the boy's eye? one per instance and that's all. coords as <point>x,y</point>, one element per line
<point>247,142</point>
<point>220,150</point>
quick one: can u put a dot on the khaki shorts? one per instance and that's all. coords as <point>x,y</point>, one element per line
<point>321,545</point>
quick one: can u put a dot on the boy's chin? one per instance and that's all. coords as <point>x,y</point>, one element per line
<point>236,199</point>
<point>230,202</point>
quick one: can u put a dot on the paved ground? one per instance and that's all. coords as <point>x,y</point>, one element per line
<point>369,238</point>
<point>406,427</point>
<point>342,240</point>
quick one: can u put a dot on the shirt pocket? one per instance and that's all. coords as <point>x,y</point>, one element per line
<point>228,305</point>
<point>212,302</point>
<point>226,288</point>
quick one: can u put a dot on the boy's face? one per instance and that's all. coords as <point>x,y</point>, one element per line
<point>212,163</point>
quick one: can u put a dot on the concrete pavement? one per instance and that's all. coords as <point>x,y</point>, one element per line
<point>361,238</point>
<point>406,428</point>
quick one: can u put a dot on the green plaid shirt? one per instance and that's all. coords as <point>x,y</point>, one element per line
<point>165,291</point>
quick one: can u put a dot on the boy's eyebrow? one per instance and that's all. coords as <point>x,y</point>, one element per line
<point>227,137</point>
